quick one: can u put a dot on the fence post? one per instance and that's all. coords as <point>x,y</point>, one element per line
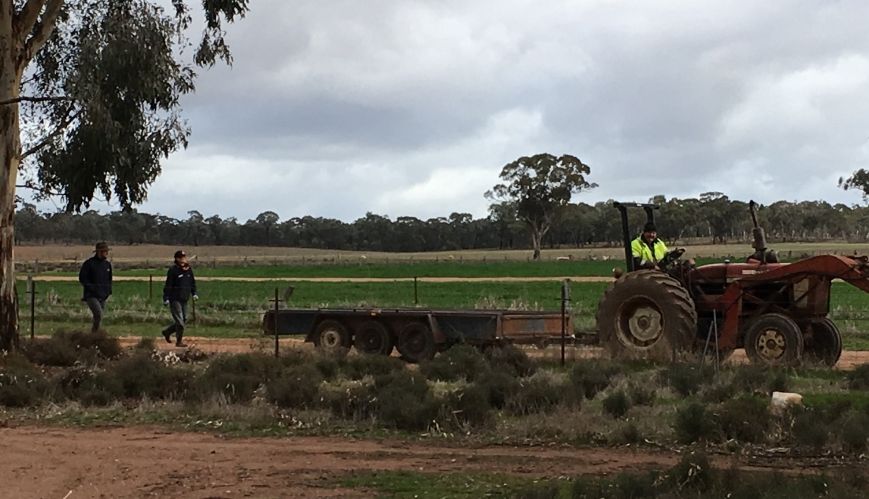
<point>150,287</point>
<point>415,291</point>
<point>31,286</point>
<point>277,307</point>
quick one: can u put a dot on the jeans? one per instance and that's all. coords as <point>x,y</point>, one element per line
<point>97,306</point>
<point>178,309</point>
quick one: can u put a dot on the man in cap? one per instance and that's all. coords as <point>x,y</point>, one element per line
<point>180,287</point>
<point>95,277</point>
<point>647,250</point>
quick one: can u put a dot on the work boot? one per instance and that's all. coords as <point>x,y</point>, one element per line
<point>167,333</point>
<point>178,339</point>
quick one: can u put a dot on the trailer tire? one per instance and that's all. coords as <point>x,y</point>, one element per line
<point>416,342</point>
<point>332,336</point>
<point>774,340</point>
<point>823,343</point>
<point>372,337</point>
<point>647,314</point>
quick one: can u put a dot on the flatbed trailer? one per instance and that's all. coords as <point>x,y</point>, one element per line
<point>417,333</point>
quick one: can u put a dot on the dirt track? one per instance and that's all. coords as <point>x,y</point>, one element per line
<point>146,462</point>
<point>58,278</point>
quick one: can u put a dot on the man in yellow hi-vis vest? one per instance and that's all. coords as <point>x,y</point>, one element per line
<point>647,250</point>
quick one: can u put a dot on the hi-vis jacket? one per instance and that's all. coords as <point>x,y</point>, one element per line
<point>647,252</point>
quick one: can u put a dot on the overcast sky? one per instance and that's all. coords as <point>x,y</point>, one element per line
<point>336,108</point>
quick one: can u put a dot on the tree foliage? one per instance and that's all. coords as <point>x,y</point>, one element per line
<point>539,187</point>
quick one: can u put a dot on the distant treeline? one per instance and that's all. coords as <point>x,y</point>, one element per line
<point>710,218</point>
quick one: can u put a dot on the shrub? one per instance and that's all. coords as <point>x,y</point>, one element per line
<point>237,376</point>
<point>140,375</point>
<point>745,418</point>
<point>641,395</point>
<point>809,431</point>
<point>628,434</point>
<point>358,366</point>
<point>468,406</point>
<point>404,400</point>
<point>858,379</point>
<point>458,362</point>
<point>616,404</point>
<point>512,359</point>
<point>355,401</point>
<point>297,387</point>
<point>145,343</point>
<point>589,377</point>
<point>89,386</point>
<point>499,387</point>
<point>693,471</point>
<point>65,348</point>
<point>855,432</point>
<point>693,422</point>
<point>686,379</point>
<point>539,393</point>
<point>21,384</point>
<point>754,378</point>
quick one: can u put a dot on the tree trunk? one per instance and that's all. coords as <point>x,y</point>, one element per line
<point>536,236</point>
<point>10,150</point>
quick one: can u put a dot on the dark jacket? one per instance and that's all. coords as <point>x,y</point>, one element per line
<point>95,277</point>
<point>180,284</point>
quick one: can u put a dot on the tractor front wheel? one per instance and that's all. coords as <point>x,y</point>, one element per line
<point>774,340</point>
<point>648,315</point>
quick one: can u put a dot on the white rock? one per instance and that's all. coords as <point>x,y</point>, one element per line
<point>781,401</point>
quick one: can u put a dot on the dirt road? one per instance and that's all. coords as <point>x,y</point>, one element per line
<point>61,278</point>
<point>147,462</point>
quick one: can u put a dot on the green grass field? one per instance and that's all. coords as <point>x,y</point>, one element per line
<point>233,309</point>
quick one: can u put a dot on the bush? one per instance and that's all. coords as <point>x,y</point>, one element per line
<point>145,343</point>
<point>21,384</point>
<point>358,366</point>
<point>855,432</point>
<point>589,377</point>
<point>511,359</point>
<point>693,471</point>
<point>694,423</point>
<point>458,362</point>
<point>686,379</point>
<point>745,418</point>
<point>140,375</point>
<point>297,387</point>
<point>628,434</point>
<point>89,386</point>
<point>640,395</point>
<point>238,376</point>
<point>404,400</point>
<point>616,404</point>
<point>354,401</point>
<point>66,348</point>
<point>468,406</point>
<point>809,431</point>
<point>499,387</point>
<point>754,378</point>
<point>858,379</point>
<point>539,393</point>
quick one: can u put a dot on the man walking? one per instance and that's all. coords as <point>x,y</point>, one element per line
<point>95,277</point>
<point>180,286</point>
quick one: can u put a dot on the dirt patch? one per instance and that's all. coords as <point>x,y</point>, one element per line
<point>57,278</point>
<point>144,462</point>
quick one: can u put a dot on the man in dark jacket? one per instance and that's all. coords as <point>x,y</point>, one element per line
<point>95,277</point>
<point>180,287</point>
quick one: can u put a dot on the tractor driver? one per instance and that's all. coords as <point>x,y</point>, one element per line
<point>647,250</point>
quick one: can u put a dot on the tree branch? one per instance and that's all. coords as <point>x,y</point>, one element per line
<point>41,31</point>
<point>57,131</point>
<point>26,19</point>
<point>27,98</point>
<point>41,190</point>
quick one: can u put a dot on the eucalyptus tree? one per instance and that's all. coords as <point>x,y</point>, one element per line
<point>89,102</point>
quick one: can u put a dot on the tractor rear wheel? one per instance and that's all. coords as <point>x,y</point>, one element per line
<point>372,337</point>
<point>647,315</point>
<point>823,342</point>
<point>774,340</point>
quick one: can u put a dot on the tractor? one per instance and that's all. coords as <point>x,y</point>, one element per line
<point>776,311</point>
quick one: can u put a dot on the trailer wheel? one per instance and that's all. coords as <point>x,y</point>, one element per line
<point>331,336</point>
<point>774,340</point>
<point>416,342</point>
<point>823,343</point>
<point>647,314</point>
<point>372,337</point>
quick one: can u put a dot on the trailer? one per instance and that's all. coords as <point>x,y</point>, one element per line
<point>417,333</point>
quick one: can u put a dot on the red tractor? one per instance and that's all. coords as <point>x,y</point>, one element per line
<point>776,311</point>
